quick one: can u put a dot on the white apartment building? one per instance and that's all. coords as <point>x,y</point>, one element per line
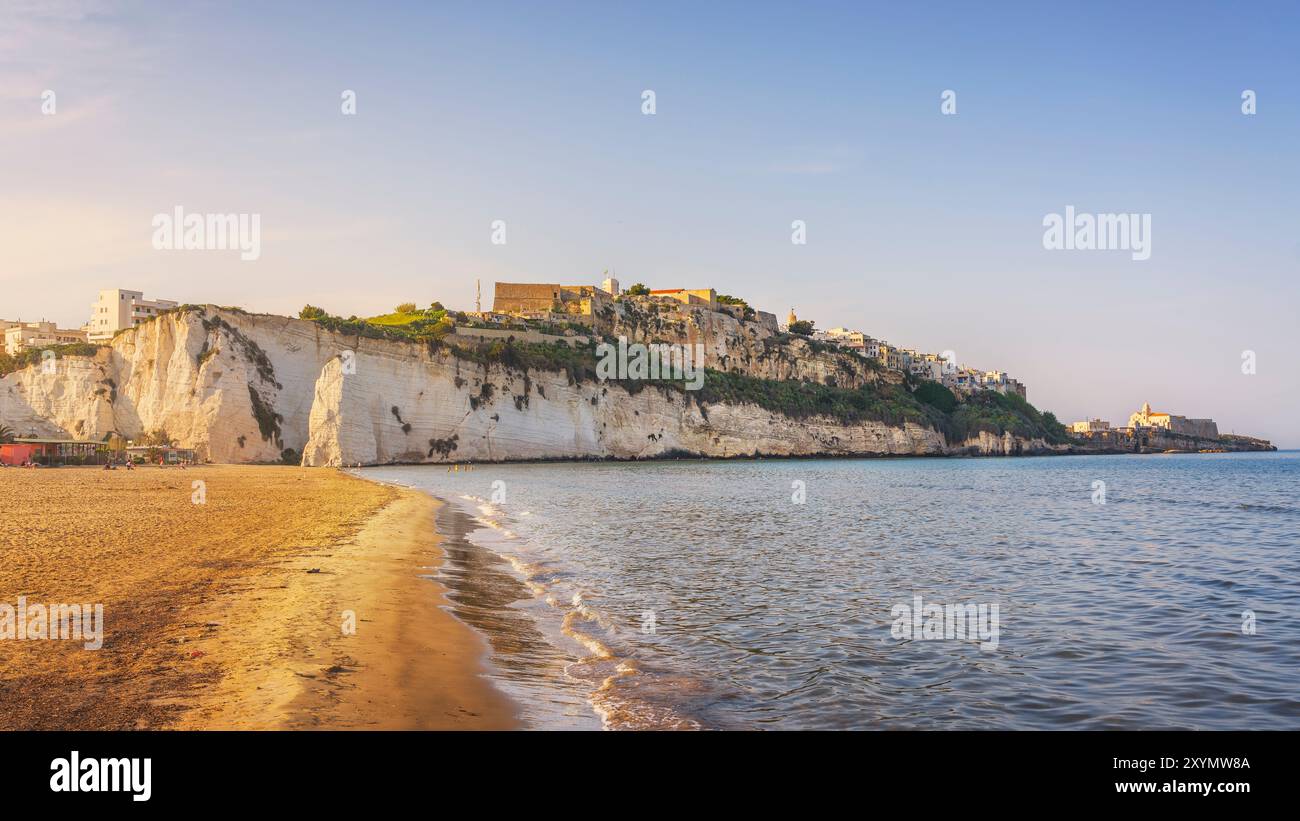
<point>1003,384</point>
<point>994,380</point>
<point>963,379</point>
<point>119,308</point>
<point>19,336</point>
<point>927,366</point>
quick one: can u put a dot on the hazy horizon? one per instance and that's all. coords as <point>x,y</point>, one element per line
<point>922,228</point>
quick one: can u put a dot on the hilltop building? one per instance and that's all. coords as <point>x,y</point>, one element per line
<point>578,303</point>
<point>20,336</point>
<point>1146,418</point>
<point>767,320</point>
<point>696,297</point>
<point>927,366</point>
<point>119,308</point>
<point>849,340</point>
<point>969,380</point>
<point>1089,426</point>
<point>588,305</point>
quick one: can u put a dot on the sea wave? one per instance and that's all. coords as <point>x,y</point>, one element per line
<point>621,692</point>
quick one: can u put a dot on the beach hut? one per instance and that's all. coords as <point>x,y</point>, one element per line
<point>150,454</point>
<point>52,452</point>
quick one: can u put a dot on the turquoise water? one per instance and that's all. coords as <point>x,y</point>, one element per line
<point>700,594</point>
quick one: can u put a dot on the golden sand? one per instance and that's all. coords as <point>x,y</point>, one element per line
<point>233,613</point>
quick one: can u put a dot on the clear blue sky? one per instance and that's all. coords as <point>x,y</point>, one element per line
<point>923,229</point>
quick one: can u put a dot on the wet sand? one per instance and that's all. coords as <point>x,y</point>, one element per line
<point>235,613</point>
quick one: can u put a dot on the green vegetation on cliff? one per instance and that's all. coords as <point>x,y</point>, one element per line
<point>746,310</point>
<point>891,404</point>
<point>990,412</point>
<point>32,356</point>
<point>406,326</point>
<point>931,405</point>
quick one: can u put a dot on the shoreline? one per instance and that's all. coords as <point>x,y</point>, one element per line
<point>424,670</point>
<point>577,671</point>
<point>229,614</point>
<point>749,457</point>
<point>479,586</point>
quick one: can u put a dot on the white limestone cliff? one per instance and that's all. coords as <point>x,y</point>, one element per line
<point>239,387</point>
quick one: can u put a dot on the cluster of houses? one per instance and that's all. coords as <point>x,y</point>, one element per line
<point>115,310</point>
<point>516,303</point>
<point>20,336</point>
<point>936,367</point>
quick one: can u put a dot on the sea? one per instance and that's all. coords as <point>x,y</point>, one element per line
<point>1066,592</point>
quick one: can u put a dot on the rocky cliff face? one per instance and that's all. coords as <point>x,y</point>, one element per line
<point>247,388</point>
<point>747,347</point>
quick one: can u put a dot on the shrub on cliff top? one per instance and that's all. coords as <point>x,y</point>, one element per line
<point>891,404</point>
<point>32,356</point>
<point>992,412</point>
<point>747,311</point>
<point>803,327</point>
<point>932,393</point>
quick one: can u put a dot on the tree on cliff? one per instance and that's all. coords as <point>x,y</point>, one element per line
<point>638,290</point>
<point>936,395</point>
<point>728,299</point>
<point>311,312</point>
<point>1056,432</point>
<point>155,438</point>
<point>803,327</point>
<point>405,308</point>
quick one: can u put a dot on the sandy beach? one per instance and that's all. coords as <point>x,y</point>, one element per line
<point>287,598</point>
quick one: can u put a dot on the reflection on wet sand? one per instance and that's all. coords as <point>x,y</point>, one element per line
<point>482,592</point>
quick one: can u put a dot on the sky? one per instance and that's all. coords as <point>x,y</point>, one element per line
<point>923,228</point>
